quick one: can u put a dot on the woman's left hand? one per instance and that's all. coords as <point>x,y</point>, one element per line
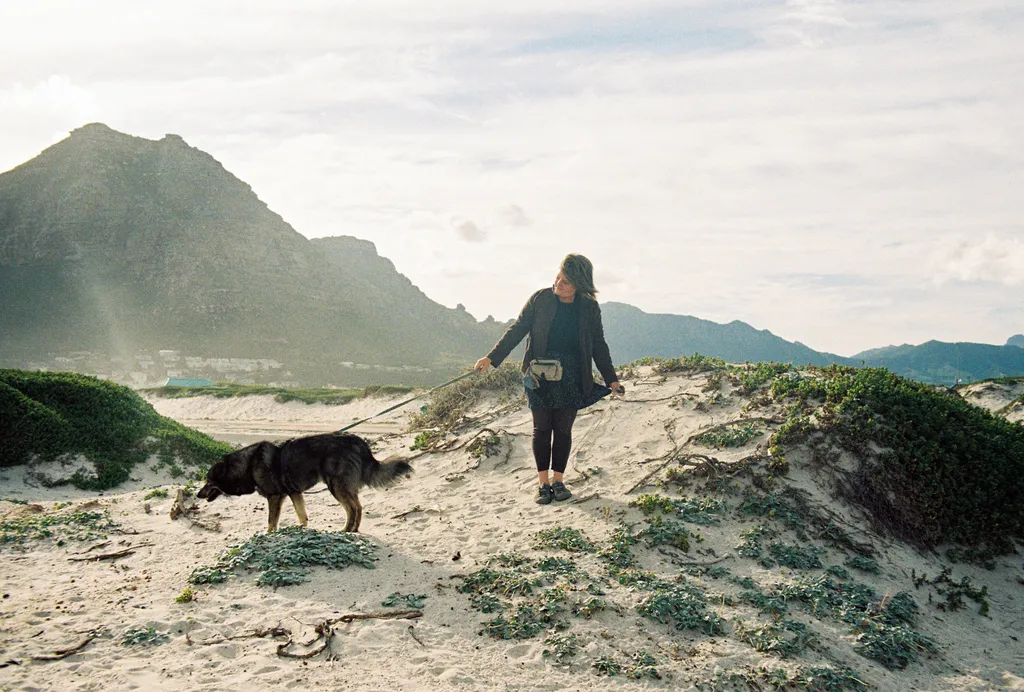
<point>617,389</point>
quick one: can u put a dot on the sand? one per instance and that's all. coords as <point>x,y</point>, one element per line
<point>448,521</point>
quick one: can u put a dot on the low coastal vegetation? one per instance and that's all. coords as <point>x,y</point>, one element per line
<point>447,408</point>
<point>323,395</point>
<point>100,429</point>
<point>286,556</point>
<point>929,467</point>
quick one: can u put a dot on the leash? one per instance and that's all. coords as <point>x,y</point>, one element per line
<point>403,403</point>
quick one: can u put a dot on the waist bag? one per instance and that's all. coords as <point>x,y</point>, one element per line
<point>541,369</point>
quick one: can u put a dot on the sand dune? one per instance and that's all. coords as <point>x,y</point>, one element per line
<point>432,531</point>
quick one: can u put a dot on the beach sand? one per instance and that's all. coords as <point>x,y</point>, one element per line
<point>446,522</point>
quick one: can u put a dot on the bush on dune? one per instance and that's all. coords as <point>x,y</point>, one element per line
<point>54,416</point>
<point>930,467</point>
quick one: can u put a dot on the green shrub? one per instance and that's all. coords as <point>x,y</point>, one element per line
<point>52,416</point>
<point>932,468</point>
<point>326,396</point>
<point>446,408</point>
<point>75,526</point>
<point>145,636</point>
<point>694,363</point>
<point>782,637</point>
<point>283,557</point>
<point>563,537</point>
<point>562,647</point>
<point>683,605</point>
<point>736,436</point>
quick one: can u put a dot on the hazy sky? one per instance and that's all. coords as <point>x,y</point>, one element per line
<point>844,174</point>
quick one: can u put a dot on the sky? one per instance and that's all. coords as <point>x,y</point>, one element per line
<point>844,174</point>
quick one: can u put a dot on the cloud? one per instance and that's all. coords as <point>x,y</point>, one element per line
<point>468,231</point>
<point>698,152</point>
<point>992,259</point>
<point>513,215</point>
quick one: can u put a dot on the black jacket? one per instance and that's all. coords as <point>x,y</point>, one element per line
<point>534,322</point>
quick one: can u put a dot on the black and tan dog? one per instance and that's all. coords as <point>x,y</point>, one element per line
<point>344,462</point>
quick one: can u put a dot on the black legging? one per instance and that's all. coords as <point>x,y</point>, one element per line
<point>559,421</point>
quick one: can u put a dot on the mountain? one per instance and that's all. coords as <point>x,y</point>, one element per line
<point>113,244</point>
<point>1016,340</point>
<point>939,362</point>
<point>632,333</point>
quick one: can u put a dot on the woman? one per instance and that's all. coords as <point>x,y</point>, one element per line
<point>563,323</point>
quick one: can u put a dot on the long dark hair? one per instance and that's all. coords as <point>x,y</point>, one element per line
<point>579,271</point>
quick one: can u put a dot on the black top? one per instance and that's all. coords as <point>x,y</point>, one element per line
<point>565,329</point>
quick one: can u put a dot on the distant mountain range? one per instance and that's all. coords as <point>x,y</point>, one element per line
<point>944,363</point>
<point>632,334</point>
<point>112,244</point>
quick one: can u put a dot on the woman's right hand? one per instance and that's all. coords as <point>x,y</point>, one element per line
<point>482,364</point>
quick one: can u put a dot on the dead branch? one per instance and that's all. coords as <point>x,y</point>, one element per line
<point>95,547</point>
<point>64,653</point>
<point>382,615</point>
<point>186,507</point>
<point>414,510</point>
<point>110,556</point>
<point>412,633</point>
<point>255,634</point>
<point>585,498</point>
<point>690,563</point>
<point>624,400</point>
<point>282,649</point>
<point>652,474</point>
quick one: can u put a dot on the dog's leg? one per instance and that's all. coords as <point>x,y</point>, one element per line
<point>345,500</point>
<point>353,510</point>
<point>358,507</point>
<point>300,507</point>
<point>273,512</point>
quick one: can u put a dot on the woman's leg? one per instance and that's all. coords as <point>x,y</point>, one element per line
<point>562,420</point>
<point>543,423</point>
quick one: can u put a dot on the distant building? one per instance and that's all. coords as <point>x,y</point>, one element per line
<point>187,382</point>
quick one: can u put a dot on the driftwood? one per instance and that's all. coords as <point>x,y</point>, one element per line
<point>64,653</point>
<point>643,481</point>
<point>282,649</point>
<point>380,615</point>
<point>585,498</point>
<point>691,563</point>
<point>255,634</point>
<point>325,634</point>
<point>186,507</point>
<point>110,556</point>
<point>412,633</point>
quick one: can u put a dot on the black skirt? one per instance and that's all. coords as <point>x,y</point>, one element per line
<point>566,392</point>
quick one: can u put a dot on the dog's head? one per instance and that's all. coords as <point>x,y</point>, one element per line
<point>233,474</point>
<point>209,491</point>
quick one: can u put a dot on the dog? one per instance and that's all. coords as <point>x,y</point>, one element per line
<point>343,461</point>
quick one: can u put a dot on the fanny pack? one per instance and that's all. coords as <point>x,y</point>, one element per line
<point>541,369</point>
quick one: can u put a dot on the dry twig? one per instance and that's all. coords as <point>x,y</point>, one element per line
<point>64,653</point>
<point>110,556</point>
<point>381,615</point>
<point>412,632</point>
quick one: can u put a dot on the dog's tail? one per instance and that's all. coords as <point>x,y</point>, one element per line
<point>386,473</point>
